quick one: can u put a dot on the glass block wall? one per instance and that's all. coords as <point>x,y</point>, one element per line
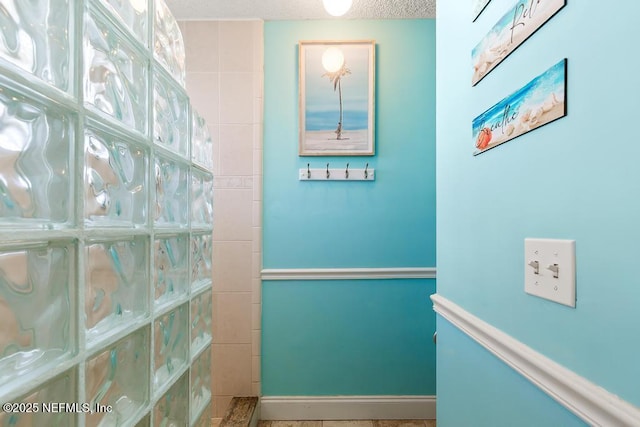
<point>106,211</point>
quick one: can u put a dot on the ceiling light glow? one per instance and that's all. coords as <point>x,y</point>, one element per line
<point>337,7</point>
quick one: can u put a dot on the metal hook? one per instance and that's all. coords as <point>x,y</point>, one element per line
<point>308,172</point>
<point>328,174</point>
<point>366,173</point>
<point>346,172</point>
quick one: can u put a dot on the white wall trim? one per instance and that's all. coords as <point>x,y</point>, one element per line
<point>347,407</point>
<point>591,403</point>
<point>348,273</point>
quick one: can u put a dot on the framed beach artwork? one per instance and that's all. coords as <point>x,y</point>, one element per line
<point>477,6</point>
<point>516,26</point>
<point>539,102</point>
<point>336,90</point>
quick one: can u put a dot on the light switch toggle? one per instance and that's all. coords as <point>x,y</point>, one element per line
<point>543,259</point>
<point>555,269</point>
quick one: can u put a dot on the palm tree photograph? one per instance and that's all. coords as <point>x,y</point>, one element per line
<point>336,78</point>
<point>336,98</point>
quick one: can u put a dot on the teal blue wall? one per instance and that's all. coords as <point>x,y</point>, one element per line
<point>494,394</point>
<point>369,337</point>
<point>577,178</point>
<point>327,338</point>
<point>386,223</point>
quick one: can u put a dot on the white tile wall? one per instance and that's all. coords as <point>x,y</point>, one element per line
<point>225,83</point>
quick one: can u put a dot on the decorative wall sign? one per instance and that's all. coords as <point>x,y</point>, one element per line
<point>540,102</point>
<point>336,98</point>
<point>516,26</point>
<point>477,8</point>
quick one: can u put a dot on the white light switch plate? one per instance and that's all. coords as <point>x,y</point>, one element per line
<point>549,254</point>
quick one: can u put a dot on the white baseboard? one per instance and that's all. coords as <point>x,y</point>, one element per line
<point>591,403</point>
<point>347,407</point>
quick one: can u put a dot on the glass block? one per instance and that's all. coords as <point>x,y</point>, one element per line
<point>168,43</point>
<point>115,74</point>
<point>200,383</point>
<point>37,308</point>
<point>116,285</point>
<point>201,143</point>
<point>201,315</point>
<point>171,116</point>
<point>171,195</point>
<point>205,418</point>
<point>119,377</point>
<point>61,389</point>
<point>173,408</point>
<point>35,38</point>
<point>201,256</point>
<point>134,15</point>
<point>171,334</point>
<point>171,268</point>
<point>35,162</point>
<point>201,199</point>
<point>115,181</point>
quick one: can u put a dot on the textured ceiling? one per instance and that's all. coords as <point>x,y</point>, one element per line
<point>298,9</point>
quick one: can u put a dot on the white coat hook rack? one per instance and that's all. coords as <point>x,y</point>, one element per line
<point>337,174</point>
